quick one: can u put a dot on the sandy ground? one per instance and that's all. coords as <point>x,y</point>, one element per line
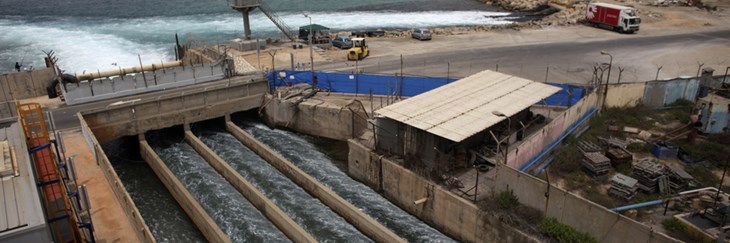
<point>110,223</point>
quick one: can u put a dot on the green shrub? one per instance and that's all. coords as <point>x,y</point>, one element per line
<point>673,225</point>
<point>507,200</point>
<point>563,233</point>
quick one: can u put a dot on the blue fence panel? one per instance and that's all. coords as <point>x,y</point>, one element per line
<point>567,96</point>
<point>675,90</point>
<point>359,83</point>
<point>407,86</point>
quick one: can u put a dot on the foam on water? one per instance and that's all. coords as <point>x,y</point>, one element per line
<point>229,209</point>
<point>315,217</point>
<point>165,219</point>
<point>308,158</point>
<point>78,48</point>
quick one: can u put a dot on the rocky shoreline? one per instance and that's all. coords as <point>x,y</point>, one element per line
<point>529,14</point>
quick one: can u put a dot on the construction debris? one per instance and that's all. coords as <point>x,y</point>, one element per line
<point>648,172</point>
<point>614,142</point>
<point>587,147</point>
<point>596,163</point>
<point>619,156</point>
<point>645,135</point>
<point>623,186</point>
<point>679,179</point>
<point>631,130</point>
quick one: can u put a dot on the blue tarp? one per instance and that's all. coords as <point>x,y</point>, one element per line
<point>407,86</point>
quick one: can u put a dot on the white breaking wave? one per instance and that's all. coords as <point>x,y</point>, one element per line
<point>88,44</point>
<point>78,50</point>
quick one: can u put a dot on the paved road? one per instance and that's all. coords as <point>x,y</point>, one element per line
<point>568,62</point>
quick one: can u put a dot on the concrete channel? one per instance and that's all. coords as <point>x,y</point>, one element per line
<point>197,214</point>
<point>185,167</point>
<point>237,217</point>
<point>309,212</point>
<point>261,202</point>
<point>362,221</point>
<point>306,157</point>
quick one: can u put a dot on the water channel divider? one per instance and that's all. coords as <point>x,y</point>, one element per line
<point>282,221</point>
<point>144,235</point>
<point>352,214</point>
<point>187,202</point>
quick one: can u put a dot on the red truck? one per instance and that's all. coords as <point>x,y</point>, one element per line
<point>613,17</point>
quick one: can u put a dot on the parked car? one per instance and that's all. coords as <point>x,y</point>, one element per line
<point>342,42</point>
<point>421,34</point>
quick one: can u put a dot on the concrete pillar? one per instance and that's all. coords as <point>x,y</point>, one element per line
<point>246,25</point>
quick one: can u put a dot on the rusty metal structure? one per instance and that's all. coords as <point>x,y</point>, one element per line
<point>63,218</point>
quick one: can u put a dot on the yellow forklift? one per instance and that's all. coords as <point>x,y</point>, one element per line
<point>359,50</point>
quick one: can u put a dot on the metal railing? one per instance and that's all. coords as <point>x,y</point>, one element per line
<point>243,3</point>
<point>277,21</point>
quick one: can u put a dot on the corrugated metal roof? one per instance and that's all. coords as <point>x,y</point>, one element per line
<point>463,108</point>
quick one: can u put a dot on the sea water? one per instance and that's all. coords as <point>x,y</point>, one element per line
<point>91,35</point>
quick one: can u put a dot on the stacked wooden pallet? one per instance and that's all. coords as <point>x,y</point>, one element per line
<point>596,163</point>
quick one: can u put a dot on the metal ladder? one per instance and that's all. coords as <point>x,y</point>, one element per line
<point>277,21</point>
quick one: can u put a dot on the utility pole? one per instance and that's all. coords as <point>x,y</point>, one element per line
<point>608,79</point>
<point>311,51</point>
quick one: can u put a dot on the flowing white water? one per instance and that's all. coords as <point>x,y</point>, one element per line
<point>240,220</point>
<point>311,214</point>
<point>308,158</point>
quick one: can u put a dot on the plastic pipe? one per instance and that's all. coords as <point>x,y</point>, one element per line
<point>122,71</point>
<point>660,201</point>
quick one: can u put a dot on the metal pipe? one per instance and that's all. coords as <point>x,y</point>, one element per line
<point>419,201</point>
<point>660,201</point>
<point>638,205</point>
<point>122,71</point>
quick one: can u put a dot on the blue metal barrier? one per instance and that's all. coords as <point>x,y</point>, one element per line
<point>407,86</point>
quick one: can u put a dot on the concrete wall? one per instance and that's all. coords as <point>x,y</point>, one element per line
<point>25,84</point>
<point>658,93</point>
<point>532,145</point>
<point>141,230</point>
<point>352,214</point>
<point>364,165</point>
<point>187,202</point>
<point>625,95</point>
<point>448,213</point>
<point>313,118</point>
<point>107,88</point>
<point>211,102</point>
<point>282,221</point>
<point>570,209</point>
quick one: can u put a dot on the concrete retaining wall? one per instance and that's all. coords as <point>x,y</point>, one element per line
<point>211,102</point>
<point>581,214</point>
<point>322,120</point>
<point>625,95</point>
<point>25,84</point>
<point>447,212</point>
<point>352,214</point>
<point>187,202</point>
<point>364,166</point>
<point>140,227</point>
<point>282,221</point>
